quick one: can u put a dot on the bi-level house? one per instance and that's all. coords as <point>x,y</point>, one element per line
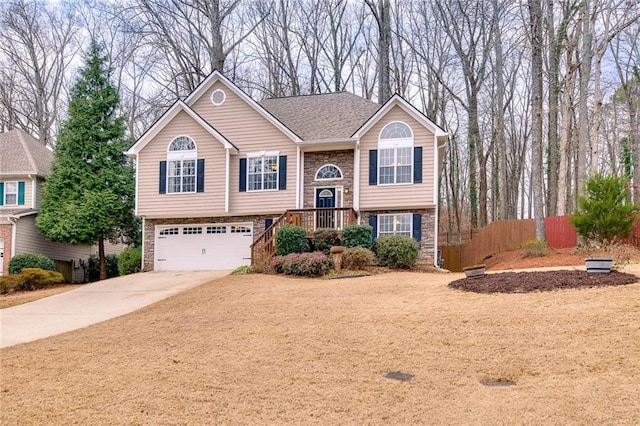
<point>25,164</point>
<point>219,173</point>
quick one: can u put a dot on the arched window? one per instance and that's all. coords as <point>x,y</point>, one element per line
<point>328,172</point>
<point>396,130</point>
<point>395,154</point>
<point>182,143</point>
<point>181,165</point>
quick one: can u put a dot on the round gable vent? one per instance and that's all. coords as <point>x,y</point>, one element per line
<point>217,97</point>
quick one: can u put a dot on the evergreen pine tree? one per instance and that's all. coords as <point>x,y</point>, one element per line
<point>89,195</point>
<point>605,212</point>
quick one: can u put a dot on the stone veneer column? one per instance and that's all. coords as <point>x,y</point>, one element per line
<point>5,234</point>
<point>314,160</point>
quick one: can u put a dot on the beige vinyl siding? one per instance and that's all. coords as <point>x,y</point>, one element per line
<point>397,196</point>
<point>249,131</point>
<point>28,193</point>
<point>29,240</point>
<point>210,202</point>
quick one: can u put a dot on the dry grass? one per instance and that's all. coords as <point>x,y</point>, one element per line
<point>258,349</point>
<point>12,299</point>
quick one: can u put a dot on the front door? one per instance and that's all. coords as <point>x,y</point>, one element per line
<point>325,198</point>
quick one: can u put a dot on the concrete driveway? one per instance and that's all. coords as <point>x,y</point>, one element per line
<point>93,303</point>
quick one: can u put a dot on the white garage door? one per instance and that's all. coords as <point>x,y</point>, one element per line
<point>203,247</point>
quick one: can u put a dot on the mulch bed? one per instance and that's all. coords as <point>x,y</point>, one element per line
<point>527,282</point>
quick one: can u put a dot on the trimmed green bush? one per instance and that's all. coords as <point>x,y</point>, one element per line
<point>10,283</point>
<point>30,260</point>
<point>291,239</point>
<point>93,267</point>
<point>129,261</point>
<point>303,264</point>
<point>324,239</point>
<point>606,212</point>
<point>36,278</point>
<point>396,251</point>
<point>535,248</point>
<point>357,236</point>
<point>357,258</point>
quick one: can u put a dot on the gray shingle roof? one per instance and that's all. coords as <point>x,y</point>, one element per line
<point>322,117</point>
<point>23,154</point>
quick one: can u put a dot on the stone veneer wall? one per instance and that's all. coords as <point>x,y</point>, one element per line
<point>314,160</point>
<point>427,241</point>
<point>149,230</point>
<point>5,233</point>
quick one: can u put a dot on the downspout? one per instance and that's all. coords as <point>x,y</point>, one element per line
<point>33,191</point>
<point>435,195</point>
<point>299,173</point>
<point>142,248</point>
<point>356,180</point>
<point>135,169</point>
<point>226,185</point>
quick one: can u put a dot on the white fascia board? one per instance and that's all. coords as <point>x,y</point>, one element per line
<point>408,108</point>
<point>218,76</point>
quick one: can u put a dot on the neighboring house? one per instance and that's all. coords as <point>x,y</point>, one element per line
<point>24,165</point>
<point>219,173</point>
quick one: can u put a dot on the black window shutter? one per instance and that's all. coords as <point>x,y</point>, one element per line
<point>21,193</point>
<point>243,175</point>
<point>373,222</point>
<point>373,167</point>
<point>1,193</point>
<point>417,226</point>
<point>268,222</point>
<point>417,164</point>
<point>282,172</point>
<point>200,179</point>
<point>163,177</point>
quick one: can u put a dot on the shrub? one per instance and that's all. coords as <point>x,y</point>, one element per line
<point>277,263</point>
<point>36,278</point>
<point>324,239</point>
<point>357,258</point>
<point>303,264</point>
<point>291,239</point>
<point>30,260</point>
<point>357,236</point>
<point>535,248</point>
<point>129,261</point>
<point>243,270</point>
<point>605,211</point>
<point>10,283</point>
<point>397,251</point>
<point>93,267</point>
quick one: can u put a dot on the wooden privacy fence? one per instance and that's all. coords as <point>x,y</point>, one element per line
<point>559,232</point>
<point>506,235</point>
<point>496,237</point>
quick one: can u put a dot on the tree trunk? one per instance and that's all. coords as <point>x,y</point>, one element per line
<point>501,144</point>
<point>554,94</point>
<point>382,14</point>
<point>103,261</point>
<point>583,105</point>
<point>535,16</point>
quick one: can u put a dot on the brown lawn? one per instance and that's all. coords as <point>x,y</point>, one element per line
<point>259,349</point>
<point>12,299</point>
